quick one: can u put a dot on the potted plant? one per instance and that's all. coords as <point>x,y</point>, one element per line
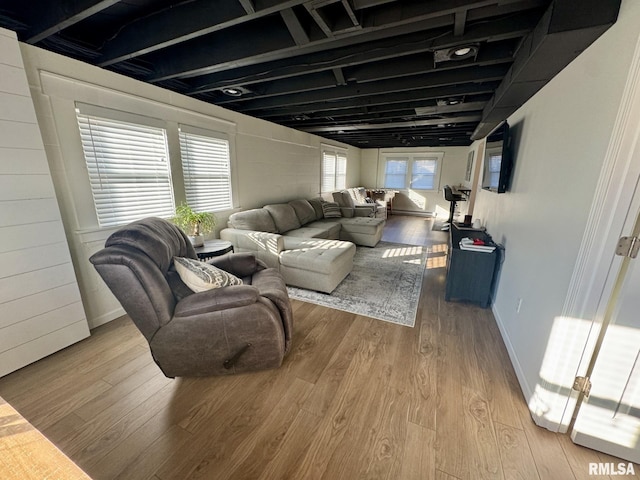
<point>193,223</point>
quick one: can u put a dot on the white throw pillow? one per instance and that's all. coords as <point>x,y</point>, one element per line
<point>200,276</point>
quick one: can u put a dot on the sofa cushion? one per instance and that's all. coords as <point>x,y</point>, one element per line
<point>284,216</point>
<point>254,219</point>
<point>330,225</point>
<point>304,211</point>
<point>316,255</point>
<point>366,225</point>
<point>344,199</point>
<point>316,203</point>
<point>309,232</point>
<point>200,276</point>
<point>331,210</point>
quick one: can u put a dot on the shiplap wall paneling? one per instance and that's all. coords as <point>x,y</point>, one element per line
<point>40,307</point>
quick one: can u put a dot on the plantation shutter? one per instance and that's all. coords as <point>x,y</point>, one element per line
<point>207,171</point>
<point>328,172</point>
<point>341,170</point>
<point>334,170</point>
<point>128,167</point>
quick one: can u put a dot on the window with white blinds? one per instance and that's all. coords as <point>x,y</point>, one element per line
<point>129,170</point>
<point>334,170</point>
<point>207,170</point>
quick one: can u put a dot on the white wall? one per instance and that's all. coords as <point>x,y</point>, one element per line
<point>453,171</point>
<point>40,307</point>
<point>562,136</point>
<point>270,163</point>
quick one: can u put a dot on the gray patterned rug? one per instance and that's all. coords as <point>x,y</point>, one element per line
<point>384,284</point>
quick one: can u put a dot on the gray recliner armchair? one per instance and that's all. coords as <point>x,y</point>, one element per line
<point>216,332</point>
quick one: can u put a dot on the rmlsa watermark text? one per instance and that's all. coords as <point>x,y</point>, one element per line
<point>601,468</point>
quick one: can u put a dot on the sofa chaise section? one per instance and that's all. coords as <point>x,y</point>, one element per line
<point>309,250</point>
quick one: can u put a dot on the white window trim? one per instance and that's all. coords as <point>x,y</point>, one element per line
<point>337,177</point>
<point>411,158</point>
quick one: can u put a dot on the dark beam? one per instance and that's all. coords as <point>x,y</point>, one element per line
<point>561,35</point>
<point>402,67</point>
<point>319,19</point>
<point>384,111</point>
<point>383,101</point>
<point>350,13</point>
<point>386,126</point>
<point>435,79</point>
<point>513,27</point>
<point>459,23</point>
<point>360,4</point>
<point>339,74</point>
<point>368,117</point>
<point>248,6</point>
<point>380,23</point>
<point>295,28</point>
<point>491,54</point>
<point>58,15</point>
<point>179,24</point>
<point>317,81</point>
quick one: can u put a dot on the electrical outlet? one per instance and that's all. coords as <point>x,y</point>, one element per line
<point>519,305</point>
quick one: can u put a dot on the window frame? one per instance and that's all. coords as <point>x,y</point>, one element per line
<point>410,174</point>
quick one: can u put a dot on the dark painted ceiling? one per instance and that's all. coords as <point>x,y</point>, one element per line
<point>370,73</point>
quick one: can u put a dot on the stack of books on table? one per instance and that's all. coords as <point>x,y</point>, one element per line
<point>476,245</point>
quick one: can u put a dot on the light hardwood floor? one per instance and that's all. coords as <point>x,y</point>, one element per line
<point>356,398</point>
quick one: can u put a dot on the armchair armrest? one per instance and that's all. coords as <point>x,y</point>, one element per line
<point>368,210</point>
<point>216,299</point>
<point>241,264</point>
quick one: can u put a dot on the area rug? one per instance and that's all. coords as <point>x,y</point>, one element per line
<point>384,284</point>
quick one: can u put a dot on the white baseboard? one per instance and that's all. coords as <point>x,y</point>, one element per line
<point>413,213</point>
<point>106,318</point>
<point>527,391</point>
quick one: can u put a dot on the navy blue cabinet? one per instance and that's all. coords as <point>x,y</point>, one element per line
<point>470,274</point>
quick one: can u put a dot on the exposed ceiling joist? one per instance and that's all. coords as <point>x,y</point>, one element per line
<point>248,6</point>
<point>387,126</point>
<point>60,15</point>
<point>386,99</point>
<point>371,73</point>
<point>249,45</point>
<point>513,27</point>
<point>180,24</point>
<point>383,87</point>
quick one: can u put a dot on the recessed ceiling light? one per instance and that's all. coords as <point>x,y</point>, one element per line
<point>461,52</point>
<point>231,91</point>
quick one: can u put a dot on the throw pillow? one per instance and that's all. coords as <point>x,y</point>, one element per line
<point>200,276</point>
<point>331,210</point>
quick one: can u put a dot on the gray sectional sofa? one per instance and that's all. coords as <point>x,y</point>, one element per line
<point>309,242</point>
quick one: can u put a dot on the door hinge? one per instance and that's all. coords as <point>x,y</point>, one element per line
<point>628,247</point>
<point>583,385</point>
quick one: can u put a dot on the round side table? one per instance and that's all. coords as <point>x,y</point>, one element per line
<point>213,248</point>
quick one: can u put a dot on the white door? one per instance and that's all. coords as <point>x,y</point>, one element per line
<point>609,418</point>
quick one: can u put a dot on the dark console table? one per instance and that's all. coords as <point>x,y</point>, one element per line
<point>470,274</point>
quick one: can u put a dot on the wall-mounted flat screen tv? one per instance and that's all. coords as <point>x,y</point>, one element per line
<point>498,160</point>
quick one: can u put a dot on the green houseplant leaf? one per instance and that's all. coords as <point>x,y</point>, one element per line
<point>192,222</point>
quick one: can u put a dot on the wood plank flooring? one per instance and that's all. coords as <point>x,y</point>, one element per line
<point>356,398</point>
